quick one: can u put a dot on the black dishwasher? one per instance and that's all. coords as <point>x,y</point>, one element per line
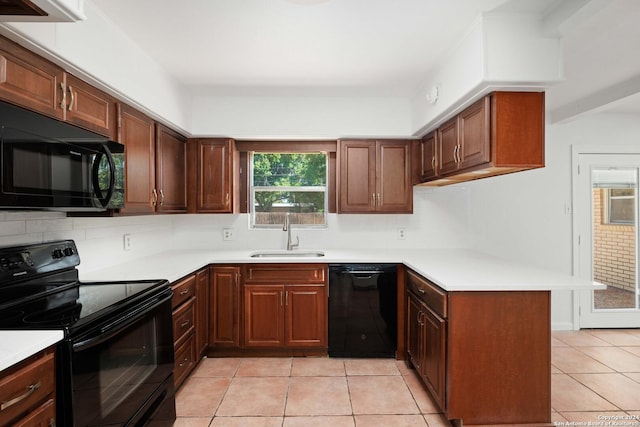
<point>362,310</point>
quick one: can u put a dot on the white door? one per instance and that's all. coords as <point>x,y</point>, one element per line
<point>606,227</point>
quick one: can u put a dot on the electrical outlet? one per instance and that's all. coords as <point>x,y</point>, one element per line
<point>126,241</point>
<point>227,234</point>
<point>402,233</point>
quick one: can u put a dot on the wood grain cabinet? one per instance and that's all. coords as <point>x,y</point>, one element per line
<point>184,337</point>
<point>485,356</point>
<point>30,81</point>
<point>375,176</point>
<point>224,307</point>
<point>171,171</point>
<point>155,162</point>
<point>501,133</point>
<point>27,392</point>
<point>212,164</point>
<point>285,306</point>
<point>202,312</point>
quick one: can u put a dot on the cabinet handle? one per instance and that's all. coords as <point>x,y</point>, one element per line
<point>185,324</point>
<point>373,199</point>
<point>455,154</point>
<point>72,98</point>
<point>286,298</point>
<point>422,291</point>
<point>184,291</point>
<point>30,390</point>
<point>154,198</point>
<point>184,362</point>
<point>63,101</point>
<point>161,197</point>
<point>281,299</point>
<point>433,162</point>
<point>52,422</point>
<point>226,200</point>
<point>379,199</point>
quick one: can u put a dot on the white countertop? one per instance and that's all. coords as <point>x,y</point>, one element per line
<point>16,346</point>
<point>451,269</point>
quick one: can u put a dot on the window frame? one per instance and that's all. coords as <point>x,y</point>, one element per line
<point>244,147</point>
<point>607,207</point>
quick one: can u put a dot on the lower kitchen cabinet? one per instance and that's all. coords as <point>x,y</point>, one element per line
<point>202,312</point>
<point>224,307</point>
<point>190,322</point>
<point>485,357</point>
<point>285,306</point>
<point>27,392</point>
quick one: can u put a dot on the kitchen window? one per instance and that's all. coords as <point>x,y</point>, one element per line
<point>294,183</point>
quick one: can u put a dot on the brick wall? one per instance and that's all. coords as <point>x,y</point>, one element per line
<point>614,248</point>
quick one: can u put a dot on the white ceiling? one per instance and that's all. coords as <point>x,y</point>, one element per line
<point>368,47</point>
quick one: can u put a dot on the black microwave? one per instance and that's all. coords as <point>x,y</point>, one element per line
<point>48,164</point>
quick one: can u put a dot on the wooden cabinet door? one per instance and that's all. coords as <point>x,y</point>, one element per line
<point>171,171</point>
<point>202,312</point>
<point>394,187</point>
<point>447,137</point>
<point>429,164</point>
<point>89,107</point>
<point>214,176</point>
<point>357,180</point>
<point>137,132</point>
<point>305,316</point>
<point>263,316</point>
<point>434,354</point>
<point>224,320</point>
<point>474,128</point>
<point>414,332</point>
<point>30,81</point>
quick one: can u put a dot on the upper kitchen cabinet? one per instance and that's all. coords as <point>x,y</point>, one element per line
<point>501,133</point>
<point>137,132</point>
<point>375,176</point>
<point>212,165</point>
<point>429,164</point>
<point>155,164</point>
<point>30,81</point>
<point>89,107</point>
<point>35,83</point>
<point>171,171</point>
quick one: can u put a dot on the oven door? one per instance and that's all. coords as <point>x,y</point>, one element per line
<point>122,372</point>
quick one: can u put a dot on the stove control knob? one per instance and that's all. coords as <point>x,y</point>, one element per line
<point>69,252</point>
<point>57,254</point>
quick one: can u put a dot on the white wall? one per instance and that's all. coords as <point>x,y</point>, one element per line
<point>440,219</point>
<point>522,216</point>
<point>300,117</point>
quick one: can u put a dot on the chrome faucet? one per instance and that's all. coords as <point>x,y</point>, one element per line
<point>287,227</point>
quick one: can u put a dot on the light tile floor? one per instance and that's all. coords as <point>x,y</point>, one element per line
<point>595,374</point>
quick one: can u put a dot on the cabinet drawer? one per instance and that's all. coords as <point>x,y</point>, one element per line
<point>183,320</point>
<point>433,296</point>
<point>44,416</point>
<point>183,290</point>
<point>185,359</point>
<point>25,388</point>
<point>286,273</point>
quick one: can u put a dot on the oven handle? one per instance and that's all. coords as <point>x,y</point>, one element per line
<point>108,331</point>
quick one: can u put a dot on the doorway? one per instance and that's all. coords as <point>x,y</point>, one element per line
<point>606,238</point>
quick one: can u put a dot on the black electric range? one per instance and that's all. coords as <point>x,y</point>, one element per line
<point>115,362</point>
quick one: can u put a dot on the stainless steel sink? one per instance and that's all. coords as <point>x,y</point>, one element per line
<point>287,254</point>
